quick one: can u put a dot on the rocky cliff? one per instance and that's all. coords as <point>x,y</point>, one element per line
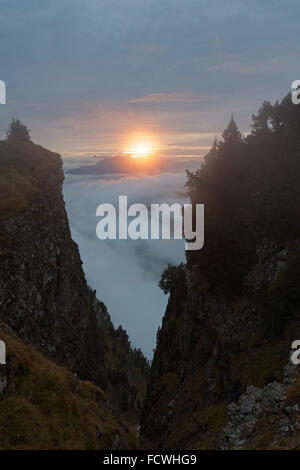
<point>44,297</point>
<point>221,375</point>
<point>217,380</point>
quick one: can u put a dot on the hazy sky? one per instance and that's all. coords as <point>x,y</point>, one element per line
<point>91,76</point>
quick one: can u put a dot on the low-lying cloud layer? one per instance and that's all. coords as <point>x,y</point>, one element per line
<point>125,273</point>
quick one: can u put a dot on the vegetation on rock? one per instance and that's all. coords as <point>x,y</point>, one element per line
<point>234,311</point>
<point>45,406</point>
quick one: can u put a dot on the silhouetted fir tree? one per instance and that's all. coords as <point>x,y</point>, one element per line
<point>263,120</point>
<point>18,131</point>
<point>211,157</point>
<point>250,188</point>
<point>231,137</point>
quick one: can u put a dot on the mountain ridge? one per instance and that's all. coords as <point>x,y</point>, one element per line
<point>137,165</point>
<point>44,296</point>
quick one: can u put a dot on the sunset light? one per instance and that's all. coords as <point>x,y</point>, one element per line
<point>139,144</point>
<point>139,151</point>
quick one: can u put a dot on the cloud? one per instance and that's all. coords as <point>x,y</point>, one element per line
<point>125,273</point>
<point>168,98</point>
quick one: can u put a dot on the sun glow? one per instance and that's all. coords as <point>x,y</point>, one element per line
<point>138,145</point>
<point>139,151</point>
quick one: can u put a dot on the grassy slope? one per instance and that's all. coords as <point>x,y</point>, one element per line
<point>23,168</point>
<point>47,407</point>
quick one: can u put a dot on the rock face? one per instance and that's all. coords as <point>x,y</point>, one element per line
<point>254,406</point>
<point>216,372</point>
<point>44,296</point>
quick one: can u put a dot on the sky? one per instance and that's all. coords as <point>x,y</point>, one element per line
<point>95,76</point>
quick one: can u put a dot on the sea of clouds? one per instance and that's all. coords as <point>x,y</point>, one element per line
<point>125,273</point>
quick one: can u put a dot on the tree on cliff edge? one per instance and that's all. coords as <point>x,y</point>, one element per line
<point>18,131</point>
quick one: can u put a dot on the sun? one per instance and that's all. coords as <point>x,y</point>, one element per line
<point>140,151</point>
<point>139,146</point>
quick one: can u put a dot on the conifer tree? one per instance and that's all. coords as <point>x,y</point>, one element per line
<point>18,131</point>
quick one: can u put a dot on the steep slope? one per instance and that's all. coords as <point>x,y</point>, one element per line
<point>209,350</point>
<point>221,376</point>
<point>44,406</point>
<point>44,297</point>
